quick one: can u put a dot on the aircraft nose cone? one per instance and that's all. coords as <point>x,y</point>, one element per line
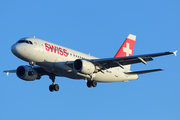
<point>19,51</point>
<point>13,49</point>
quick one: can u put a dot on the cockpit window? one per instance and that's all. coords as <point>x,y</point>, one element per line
<point>25,41</point>
<point>21,41</point>
<point>30,42</point>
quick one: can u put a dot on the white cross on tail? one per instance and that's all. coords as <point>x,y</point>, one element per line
<point>127,50</point>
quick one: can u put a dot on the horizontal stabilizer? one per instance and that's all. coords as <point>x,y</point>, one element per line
<point>144,71</point>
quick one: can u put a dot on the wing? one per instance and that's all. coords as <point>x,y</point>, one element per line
<point>9,71</point>
<point>41,71</point>
<point>121,61</point>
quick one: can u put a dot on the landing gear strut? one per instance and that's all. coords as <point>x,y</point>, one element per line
<point>91,83</point>
<point>53,87</point>
<point>32,64</point>
<point>31,73</point>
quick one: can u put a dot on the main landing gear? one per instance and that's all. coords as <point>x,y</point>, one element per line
<point>53,87</point>
<point>91,83</point>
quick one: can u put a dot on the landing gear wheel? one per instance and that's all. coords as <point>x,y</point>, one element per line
<point>94,83</point>
<point>56,87</point>
<point>51,88</point>
<point>89,84</point>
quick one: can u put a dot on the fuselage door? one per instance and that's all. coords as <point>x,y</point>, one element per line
<point>41,46</point>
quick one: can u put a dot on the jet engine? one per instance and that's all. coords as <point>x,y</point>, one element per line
<point>84,66</point>
<point>26,73</point>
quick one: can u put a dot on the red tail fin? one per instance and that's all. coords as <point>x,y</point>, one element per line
<point>127,47</point>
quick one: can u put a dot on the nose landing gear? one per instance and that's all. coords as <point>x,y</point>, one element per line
<point>53,87</point>
<point>32,64</point>
<point>31,72</point>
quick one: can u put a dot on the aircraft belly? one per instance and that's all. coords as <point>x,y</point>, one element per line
<point>113,77</point>
<point>60,64</point>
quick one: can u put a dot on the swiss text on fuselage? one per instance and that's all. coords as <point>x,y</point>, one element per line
<point>57,50</point>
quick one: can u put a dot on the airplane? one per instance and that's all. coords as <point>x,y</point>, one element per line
<point>50,59</point>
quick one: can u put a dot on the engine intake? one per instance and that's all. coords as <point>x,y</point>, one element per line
<point>84,66</point>
<point>26,73</point>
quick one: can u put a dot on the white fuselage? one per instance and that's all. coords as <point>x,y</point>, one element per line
<point>54,58</point>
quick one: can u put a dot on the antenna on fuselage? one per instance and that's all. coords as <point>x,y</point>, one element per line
<point>34,36</point>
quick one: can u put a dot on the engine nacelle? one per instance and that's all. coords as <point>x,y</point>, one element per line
<point>84,66</point>
<point>26,73</point>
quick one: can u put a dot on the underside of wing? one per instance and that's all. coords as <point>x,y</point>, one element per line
<point>121,61</point>
<point>9,71</point>
<point>41,71</point>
